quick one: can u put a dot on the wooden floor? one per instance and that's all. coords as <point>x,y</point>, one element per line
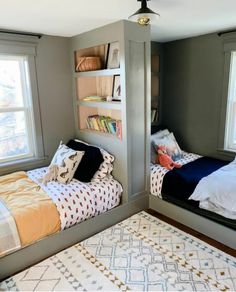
<point>195,233</point>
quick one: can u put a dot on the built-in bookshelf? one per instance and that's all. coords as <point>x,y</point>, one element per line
<point>111,97</point>
<point>99,107</point>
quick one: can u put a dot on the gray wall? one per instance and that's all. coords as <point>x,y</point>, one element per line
<point>193,80</point>
<point>55,91</point>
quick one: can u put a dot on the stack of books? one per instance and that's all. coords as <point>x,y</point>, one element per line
<point>105,124</point>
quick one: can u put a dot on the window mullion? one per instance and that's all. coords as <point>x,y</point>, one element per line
<point>11,109</point>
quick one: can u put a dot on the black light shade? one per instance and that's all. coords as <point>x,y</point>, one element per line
<point>144,15</point>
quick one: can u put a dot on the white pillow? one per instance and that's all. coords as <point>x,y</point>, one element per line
<point>172,147</point>
<point>160,134</point>
<point>157,135</point>
<point>106,166</point>
<point>67,161</point>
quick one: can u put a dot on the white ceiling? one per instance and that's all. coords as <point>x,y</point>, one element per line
<point>179,18</point>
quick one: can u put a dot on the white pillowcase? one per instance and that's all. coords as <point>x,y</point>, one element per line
<point>106,167</point>
<point>172,147</point>
<point>160,134</point>
<point>67,161</point>
<point>157,135</point>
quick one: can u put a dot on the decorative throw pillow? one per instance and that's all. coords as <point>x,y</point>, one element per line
<point>90,162</point>
<point>67,161</point>
<point>157,135</point>
<point>106,167</point>
<point>172,147</point>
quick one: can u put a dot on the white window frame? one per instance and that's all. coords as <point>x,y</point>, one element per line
<point>230,126</point>
<point>26,108</point>
<point>19,46</point>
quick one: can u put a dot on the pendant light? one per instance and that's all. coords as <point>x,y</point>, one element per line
<point>144,15</point>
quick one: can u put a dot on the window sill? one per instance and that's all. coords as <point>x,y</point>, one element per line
<point>22,164</point>
<point>226,152</point>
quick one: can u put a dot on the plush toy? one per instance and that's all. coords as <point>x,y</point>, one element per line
<point>165,160</point>
<point>50,175</point>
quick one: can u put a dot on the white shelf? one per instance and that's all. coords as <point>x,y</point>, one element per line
<point>108,135</point>
<point>95,73</point>
<point>100,104</point>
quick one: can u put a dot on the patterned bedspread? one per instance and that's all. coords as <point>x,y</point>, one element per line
<point>9,238</point>
<point>79,201</point>
<point>158,172</point>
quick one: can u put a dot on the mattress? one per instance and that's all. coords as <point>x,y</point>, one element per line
<point>176,186</point>
<point>40,210</point>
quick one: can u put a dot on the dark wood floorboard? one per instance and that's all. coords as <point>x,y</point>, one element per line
<point>193,232</point>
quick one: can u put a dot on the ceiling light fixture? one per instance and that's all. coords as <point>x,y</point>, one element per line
<point>144,15</point>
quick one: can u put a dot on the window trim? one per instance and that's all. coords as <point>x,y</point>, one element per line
<point>229,144</point>
<point>229,45</point>
<point>26,46</point>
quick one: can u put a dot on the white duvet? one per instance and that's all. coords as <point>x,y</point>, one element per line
<point>217,191</point>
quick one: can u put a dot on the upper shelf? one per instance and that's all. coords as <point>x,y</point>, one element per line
<point>104,72</point>
<point>103,104</point>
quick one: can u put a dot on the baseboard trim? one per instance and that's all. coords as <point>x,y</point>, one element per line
<point>199,223</point>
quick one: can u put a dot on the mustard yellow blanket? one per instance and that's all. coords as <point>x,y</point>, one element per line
<point>35,214</point>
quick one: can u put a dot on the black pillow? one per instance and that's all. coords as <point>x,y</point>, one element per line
<point>90,162</point>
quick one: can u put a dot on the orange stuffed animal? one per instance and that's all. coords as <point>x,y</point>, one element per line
<point>165,160</point>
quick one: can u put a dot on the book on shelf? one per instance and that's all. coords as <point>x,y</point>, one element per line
<point>154,115</point>
<point>105,124</point>
<point>94,98</point>
<point>119,129</point>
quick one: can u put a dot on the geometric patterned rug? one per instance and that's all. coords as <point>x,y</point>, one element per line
<point>141,253</point>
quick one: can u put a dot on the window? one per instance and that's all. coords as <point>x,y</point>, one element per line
<point>230,129</point>
<point>17,131</point>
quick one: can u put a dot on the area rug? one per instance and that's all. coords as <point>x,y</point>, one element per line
<point>140,253</point>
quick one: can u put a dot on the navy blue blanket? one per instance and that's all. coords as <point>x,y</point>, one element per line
<point>181,182</point>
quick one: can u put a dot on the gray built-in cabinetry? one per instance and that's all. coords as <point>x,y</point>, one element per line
<point>131,166</point>
<point>156,81</point>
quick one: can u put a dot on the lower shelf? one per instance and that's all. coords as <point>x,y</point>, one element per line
<point>100,133</point>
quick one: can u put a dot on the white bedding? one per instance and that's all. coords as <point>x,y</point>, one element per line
<point>79,201</point>
<point>217,191</point>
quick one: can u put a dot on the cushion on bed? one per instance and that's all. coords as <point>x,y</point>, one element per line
<point>90,162</point>
<point>157,135</point>
<point>171,145</point>
<point>106,167</point>
<point>67,161</point>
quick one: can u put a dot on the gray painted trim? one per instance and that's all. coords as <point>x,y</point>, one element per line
<point>23,164</point>
<point>39,145</point>
<point>208,227</point>
<point>228,48</point>
<point>15,47</point>
<point>50,245</point>
<point>18,37</point>
<point>224,101</point>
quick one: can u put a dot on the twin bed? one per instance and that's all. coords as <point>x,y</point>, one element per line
<point>32,210</point>
<point>202,175</point>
